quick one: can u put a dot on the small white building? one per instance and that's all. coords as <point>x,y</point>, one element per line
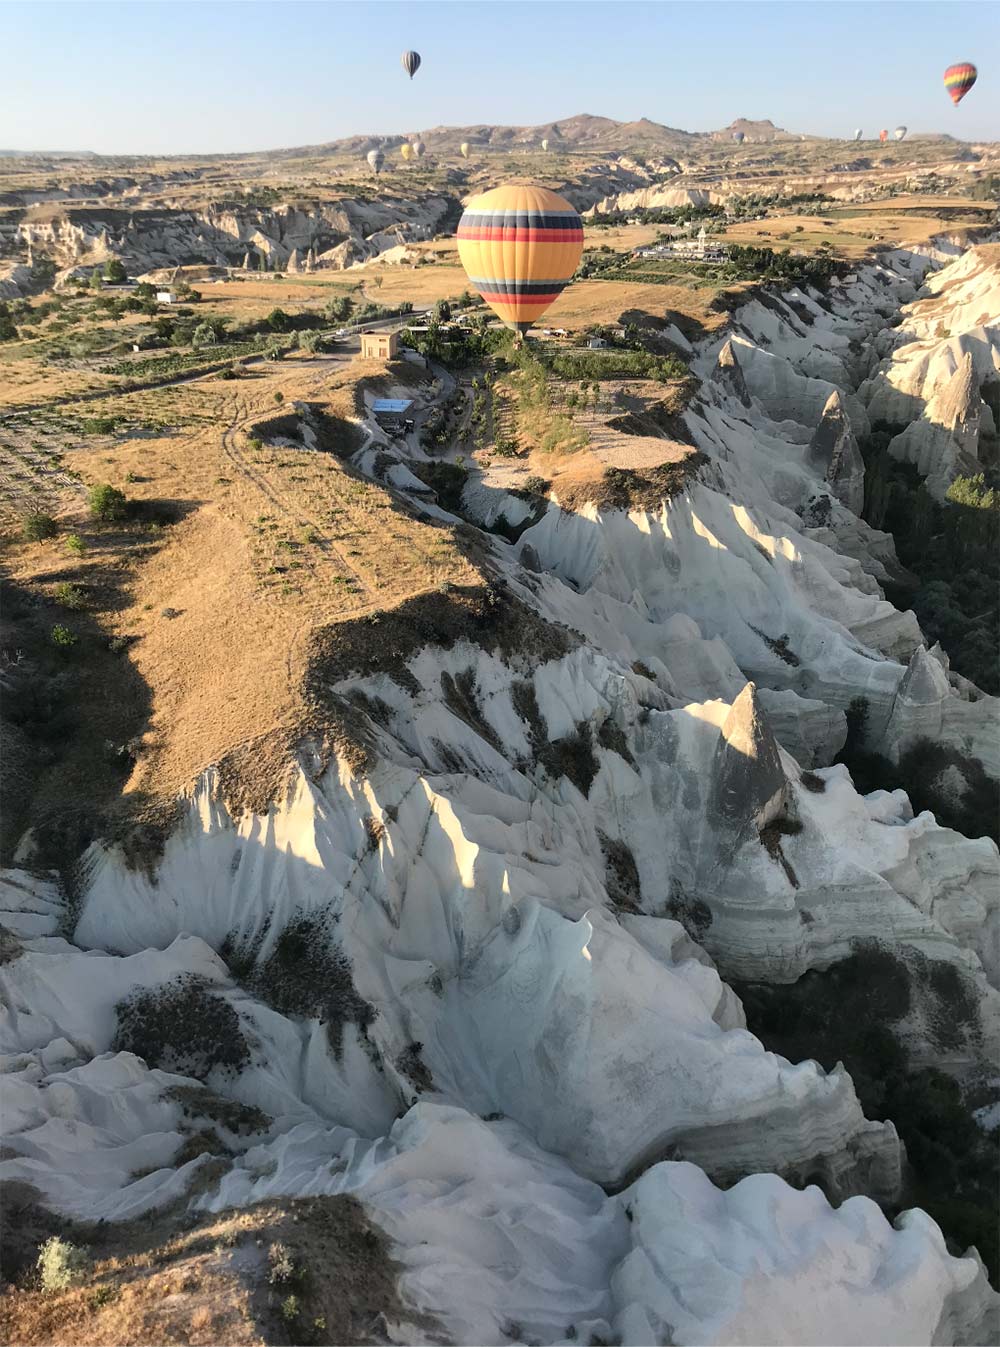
<point>596,343</point>
<point>166,297</point>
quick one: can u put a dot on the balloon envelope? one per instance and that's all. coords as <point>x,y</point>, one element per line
<point>375,160</point>
<point>959,79</point>
<point>406,150</point>
<point>883,136</point>
<point>739,137</point>
<point>899,132</point>
<point>411,62</point>
<point>857,134</point>
<point>519,246</point>
<point>545,144</point>
<point>419,148</point>
<point>464,149</point>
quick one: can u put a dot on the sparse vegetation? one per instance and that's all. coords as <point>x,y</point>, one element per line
<point>182,1026</point>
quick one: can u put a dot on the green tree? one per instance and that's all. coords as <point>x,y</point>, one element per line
<point>441,312</point>
<point>279,321</point>
<point>114,271</point>
<point>204,335</point>
<point>37,527</point>
<point>107,503</point>
<point>339,309</point>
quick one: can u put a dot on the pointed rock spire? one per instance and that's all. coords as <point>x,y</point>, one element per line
<point>925,682</point>
<point>750,784</point>
<point>728,373</point>
<point>833,451</point>
<point>293,263</point>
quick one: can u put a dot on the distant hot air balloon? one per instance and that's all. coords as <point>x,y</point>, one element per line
<point>464,149</point>
<point>899,132</point>
<point>883,136</point>
<point>545,145</point>
<point>739,137</point>
<point>375,160</point>
<point>419,149</point>
<point>519,247</point>
<point>411,62</point>
<point>406,150</point>
<point>959,79</point>
<point>857,134</point>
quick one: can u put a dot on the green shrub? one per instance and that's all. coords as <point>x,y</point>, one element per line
<point>76,545</point>
<point>107,503</point>
<point>290,1308</point>
<point>70,596</point>
<point>61,1264</point>
<point>62,637</point>
<point>37,527</point>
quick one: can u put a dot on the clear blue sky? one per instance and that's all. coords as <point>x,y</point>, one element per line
<point>194,76</point>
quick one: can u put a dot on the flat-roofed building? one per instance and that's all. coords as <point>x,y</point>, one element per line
<point>379,345</point>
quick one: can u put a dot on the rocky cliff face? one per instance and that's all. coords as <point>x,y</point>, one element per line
<point>942,359</point>
<point>333,236</point>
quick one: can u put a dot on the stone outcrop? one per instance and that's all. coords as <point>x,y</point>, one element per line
<point>944,442</point>
<point>729,374</point>
<point>749,787</point>
<point>833,453</point>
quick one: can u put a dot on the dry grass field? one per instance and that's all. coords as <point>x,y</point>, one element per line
<point>852,230</point>
<point>309,1270</point>
<point>266,543</point>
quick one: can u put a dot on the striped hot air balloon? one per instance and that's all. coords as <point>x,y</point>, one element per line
<point>411,62</point>
<point>857,134</point>
<point>899,133</point>
<point>376,160</point>
<point>519,247</point>
<point>959,79</point>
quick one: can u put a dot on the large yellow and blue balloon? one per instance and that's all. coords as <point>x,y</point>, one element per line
<point>520,246</point>
<point>959,79</point>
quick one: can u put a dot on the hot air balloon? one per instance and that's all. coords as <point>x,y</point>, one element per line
<point>464,149</point>
<point>899,132</point>
<point>411,62</point>
<point>419,149</point>
<point>959,79</point>
<point>857,134</point>
<point>883,136</point>
<point>739,137</point>
<point>375,160</point>
<point>519,247</point>
<point>545,145</point>
<point>406,150</point>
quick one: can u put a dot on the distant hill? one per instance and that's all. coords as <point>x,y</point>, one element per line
<point>757,132</point>
<point>48,154</point>
<point>583,132</point>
